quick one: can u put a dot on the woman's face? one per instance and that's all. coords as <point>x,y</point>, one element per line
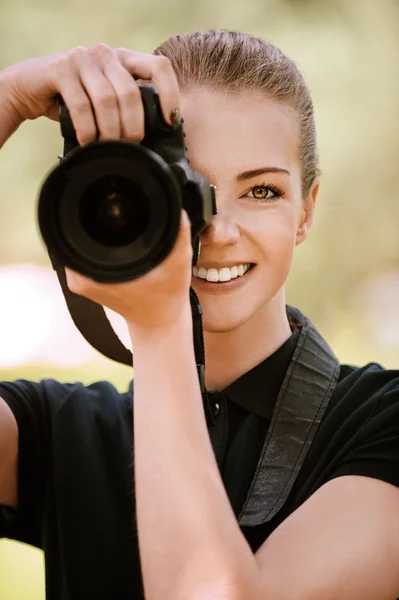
<point>247,146</point>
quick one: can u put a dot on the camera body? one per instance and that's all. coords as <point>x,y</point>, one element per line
<point>111,209</point>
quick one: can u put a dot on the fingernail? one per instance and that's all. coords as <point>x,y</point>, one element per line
<point>175,117</point>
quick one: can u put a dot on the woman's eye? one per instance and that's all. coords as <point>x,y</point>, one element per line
<point>264,192</point>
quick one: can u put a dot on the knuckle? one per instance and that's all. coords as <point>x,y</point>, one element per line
<point>75,56</point>
<point>100,49</point>
<point>129,95</point>
<point>75,52</point>
<point>162,62</point>
<point>107,100</point>
<point>58,65</point>
<point>58,61</point>
<point>79,106</point>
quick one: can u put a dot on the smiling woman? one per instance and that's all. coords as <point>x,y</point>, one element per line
<point>262,215</point>
<point>297,469</point>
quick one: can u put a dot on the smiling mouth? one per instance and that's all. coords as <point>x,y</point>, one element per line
<point>223,275</point>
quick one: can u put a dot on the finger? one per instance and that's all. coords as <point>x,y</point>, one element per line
<point>77,282</point>
<point>100,92</point>
<point>131,111</point>
<point>72,280</point>
<point>185,221</point>
<point>67,83</point>
<point>183,246</point>
<point>53,113</point>
<point>159,70</point>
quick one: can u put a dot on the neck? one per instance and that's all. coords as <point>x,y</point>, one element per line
<point>232,353</point>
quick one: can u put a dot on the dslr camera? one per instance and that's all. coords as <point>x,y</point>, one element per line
<point>111,210</point>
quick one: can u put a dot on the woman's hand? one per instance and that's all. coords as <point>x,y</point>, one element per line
<point>158,298</point>
<point>98,86</point>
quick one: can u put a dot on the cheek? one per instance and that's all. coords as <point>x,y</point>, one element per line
<point>276,235</point>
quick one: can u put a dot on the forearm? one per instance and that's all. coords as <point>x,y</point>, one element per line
<point>189,539</point>
<point>9,119</point>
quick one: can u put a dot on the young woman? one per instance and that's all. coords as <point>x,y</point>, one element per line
<point>292,490</point>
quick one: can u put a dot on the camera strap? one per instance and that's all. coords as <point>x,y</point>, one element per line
<point>92,322</point>
<point>199,349</point>
<point>302,401</point>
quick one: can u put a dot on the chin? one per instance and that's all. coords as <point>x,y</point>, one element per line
<point>219,326</point>
<point>223,315</point>
<point>223,322</point>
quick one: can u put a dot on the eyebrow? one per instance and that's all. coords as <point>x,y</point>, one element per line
<point>256,172</point>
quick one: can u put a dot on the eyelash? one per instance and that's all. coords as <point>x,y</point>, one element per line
<point>276,191</point>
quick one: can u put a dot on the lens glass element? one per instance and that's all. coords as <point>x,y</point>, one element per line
<point>114,210</point>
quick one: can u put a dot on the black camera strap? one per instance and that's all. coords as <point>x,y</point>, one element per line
<point>302,401</point>
<point>92,322</point>
<point>199,349</point>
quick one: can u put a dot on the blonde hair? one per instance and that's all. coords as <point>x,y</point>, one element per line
<point>231,61</point>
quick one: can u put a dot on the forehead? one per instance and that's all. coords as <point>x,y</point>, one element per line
<point>238,130</point>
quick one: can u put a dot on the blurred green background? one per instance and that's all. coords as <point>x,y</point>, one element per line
<point>346,277</point>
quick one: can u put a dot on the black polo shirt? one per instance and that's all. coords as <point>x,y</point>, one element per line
<point>76,476</point>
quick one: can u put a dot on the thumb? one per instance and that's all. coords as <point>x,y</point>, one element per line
<point>185,220</point>
<point>183,246</point>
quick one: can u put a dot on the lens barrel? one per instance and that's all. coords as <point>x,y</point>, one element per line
<point>111,210</point>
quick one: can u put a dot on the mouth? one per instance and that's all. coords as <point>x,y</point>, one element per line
<point>222,278</point>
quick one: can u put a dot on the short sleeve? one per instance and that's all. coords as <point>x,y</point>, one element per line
<point>26,400</point>
<point>63,429</point>
<point>375,452</point>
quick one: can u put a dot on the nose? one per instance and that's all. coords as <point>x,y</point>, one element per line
<point>220,231</point>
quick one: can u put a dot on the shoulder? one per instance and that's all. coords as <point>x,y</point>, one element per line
<point>359,432</point>
<point>51,399</point>
<point>364,399</point>
<point>371,374</point>
<point>364,390</point>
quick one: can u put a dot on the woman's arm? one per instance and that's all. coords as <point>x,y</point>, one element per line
<point>341,544</point>
<point>191,546</point>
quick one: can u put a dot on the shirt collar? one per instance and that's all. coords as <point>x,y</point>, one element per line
<point>256,391</point>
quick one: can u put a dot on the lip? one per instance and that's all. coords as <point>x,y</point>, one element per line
<point>225,286</point>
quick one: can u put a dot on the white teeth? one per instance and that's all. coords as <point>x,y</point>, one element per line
<point>224,274</point>
<point>212,275</point>
<point>234,272</point>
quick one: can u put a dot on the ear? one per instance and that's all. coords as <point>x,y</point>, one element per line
<point>307,216</point>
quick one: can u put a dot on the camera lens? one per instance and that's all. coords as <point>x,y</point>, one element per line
<point>111,210</point>
<point>114,211</point>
